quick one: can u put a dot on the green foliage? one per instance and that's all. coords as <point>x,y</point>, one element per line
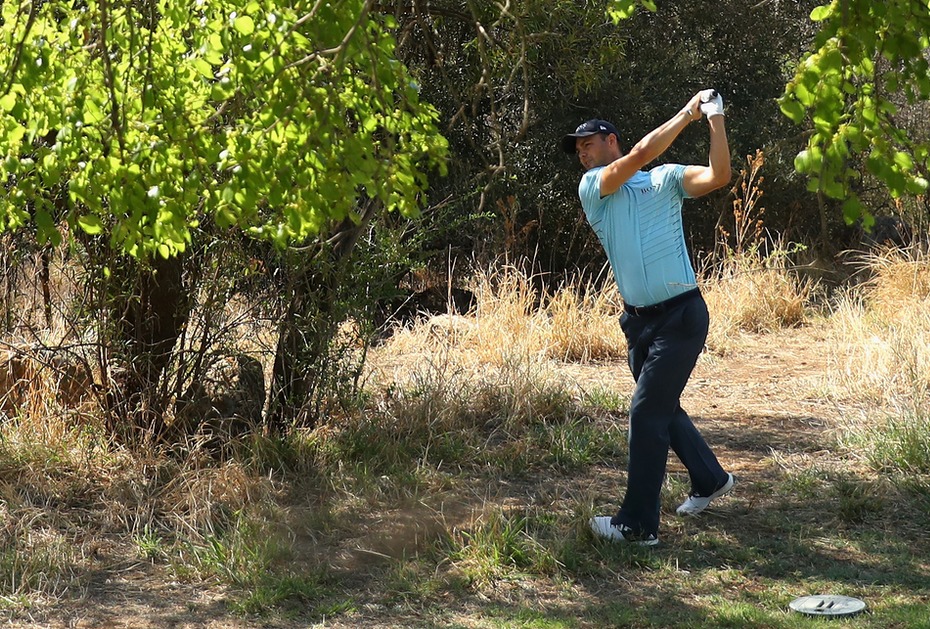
<point>865,54</point>
<point>622,9</point>
<point>607,399</point>
<point>308,595</point>
<point>575,443</point>
<point>135,122</point>
<point>29,564</point>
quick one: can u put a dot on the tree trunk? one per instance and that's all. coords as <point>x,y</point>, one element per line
<point>308,326</point>
<point>151,306</point>
<point>300,357</point>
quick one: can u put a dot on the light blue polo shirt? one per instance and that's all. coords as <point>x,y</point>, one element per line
<point>640,228</point>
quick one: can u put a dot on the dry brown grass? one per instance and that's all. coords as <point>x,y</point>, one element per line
<point>72,504</point>
<point>750,293</point>
<point>898,277</point>
<point>35,383</point>
<point>578,322</point>
<point>449,378</point>
<point>514,324</point>
<point>747,283</point>
<point>880,366</point>
<point>881,333</point>
<point>584,323</point>
<point>514,328</point>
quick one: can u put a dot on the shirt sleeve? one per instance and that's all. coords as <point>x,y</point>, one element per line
<point>589,191</point>
<point>674,176</point>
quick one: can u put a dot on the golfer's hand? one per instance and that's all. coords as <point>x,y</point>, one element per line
<point>711,103</point>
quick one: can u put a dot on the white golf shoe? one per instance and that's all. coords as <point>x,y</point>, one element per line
<point>620,532</point>
<point>695,504</point>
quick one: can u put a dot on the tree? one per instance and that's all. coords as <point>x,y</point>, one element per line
<point>145,129</point>
<point>867,58</point>
<point>510,82</point>
<point>868,64</point>
<point>501,76</point>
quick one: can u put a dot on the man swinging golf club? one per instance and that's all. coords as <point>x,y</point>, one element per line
<point>636,215</point>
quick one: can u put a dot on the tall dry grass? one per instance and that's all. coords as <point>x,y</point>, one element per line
<point>577,322</point>
<point>515,321</point>
<point>72,504</point>
<point>881,332</point>
<point>881,363</point>
<point>753,293</point>
<point>453,380</point>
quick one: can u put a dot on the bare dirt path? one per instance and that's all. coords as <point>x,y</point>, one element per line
<point>753,405</point>
<point>763,398</point>
<point>759,397</point>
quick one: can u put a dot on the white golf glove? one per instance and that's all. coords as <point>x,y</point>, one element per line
<point>711,103</point>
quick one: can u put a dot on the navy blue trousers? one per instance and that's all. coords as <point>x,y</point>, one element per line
<point>663,349</point>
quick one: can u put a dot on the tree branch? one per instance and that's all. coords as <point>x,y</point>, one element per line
<point>110,76</point>
<point>18,55</point>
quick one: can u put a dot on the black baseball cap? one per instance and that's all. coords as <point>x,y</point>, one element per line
<point>591,127</point>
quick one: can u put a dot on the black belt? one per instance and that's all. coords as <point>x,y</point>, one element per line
<point>662,306</point>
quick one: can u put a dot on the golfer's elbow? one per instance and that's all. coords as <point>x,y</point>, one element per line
<point>718,171</point>
<point>699,180</point>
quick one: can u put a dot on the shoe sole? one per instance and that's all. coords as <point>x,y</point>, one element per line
<point>723,491</point>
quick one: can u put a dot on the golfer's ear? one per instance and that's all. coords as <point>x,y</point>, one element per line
<point>616,142</point>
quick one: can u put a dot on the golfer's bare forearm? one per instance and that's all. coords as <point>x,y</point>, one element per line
<point>719,157</point>
<point>659,139</point>
<point>649,148</point>
<point>699,180</point>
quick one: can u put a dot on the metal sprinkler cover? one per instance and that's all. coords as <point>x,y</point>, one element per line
<point>827,605</point>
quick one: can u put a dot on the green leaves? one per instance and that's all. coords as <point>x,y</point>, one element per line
<point>7,102</point>
<point>276,119</point>
<point>823,12</point>
<point>792,108</point>
<point>92,225</point>
<point>244,25</point>
<point>838,90</point>
<point>623,9</point>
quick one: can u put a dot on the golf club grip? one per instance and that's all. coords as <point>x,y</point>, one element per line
<point>709,96</point>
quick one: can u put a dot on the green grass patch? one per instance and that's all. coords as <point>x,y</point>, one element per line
<point>501,545</point>
<point>607,400</point>
<point>901,443</point>
<point>310,595</point>
<point>577,442</point>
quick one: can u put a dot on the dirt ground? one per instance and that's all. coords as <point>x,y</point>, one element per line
<point>754,402</point>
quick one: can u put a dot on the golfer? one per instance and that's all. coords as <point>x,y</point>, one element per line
<point>636,215</point>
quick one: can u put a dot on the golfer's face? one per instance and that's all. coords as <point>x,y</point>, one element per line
<point>593,151</point>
